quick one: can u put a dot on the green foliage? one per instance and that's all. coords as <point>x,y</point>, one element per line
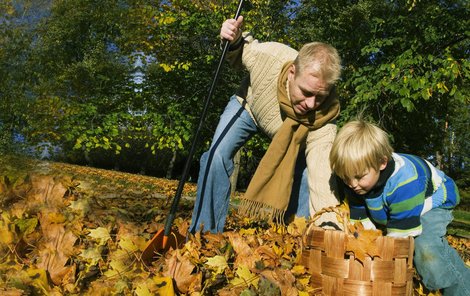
<point>69,72</point>
<point>405,66</point>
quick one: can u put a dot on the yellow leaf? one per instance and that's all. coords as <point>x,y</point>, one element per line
<point>165,67</point>
<point>277,250</point>
<point>297,227</point>
<point>143,290</point>
<point>55,217</point>
<point>118,267</point>
<point>245,277</point>
<point>217,262</point>
<point>39,277</point>
<point>92,255</point>
<point>298,270</point>
<point>249,231</point>
<point>6,236</point>
<point>304,280</point>
<point>127,244</point>
<point>165,286</point>
<point>100,234</point>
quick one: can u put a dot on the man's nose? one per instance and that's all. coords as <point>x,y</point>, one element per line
<point>310,102</point>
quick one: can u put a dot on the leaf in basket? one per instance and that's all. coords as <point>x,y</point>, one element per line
<point>362,243</point>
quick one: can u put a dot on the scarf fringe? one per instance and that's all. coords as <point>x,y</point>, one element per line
<point>259,210</point>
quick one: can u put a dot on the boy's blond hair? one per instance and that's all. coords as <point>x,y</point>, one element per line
<point>358,146</point>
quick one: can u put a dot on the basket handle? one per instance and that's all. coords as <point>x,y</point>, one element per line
<point>331,209</point>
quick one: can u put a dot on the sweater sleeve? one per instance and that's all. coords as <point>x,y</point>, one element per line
<point>235,52</point>
<point>358,211</point>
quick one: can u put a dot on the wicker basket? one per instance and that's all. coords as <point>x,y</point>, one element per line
<point>336,272</point>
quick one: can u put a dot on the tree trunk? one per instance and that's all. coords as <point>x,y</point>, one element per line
<point>236,169</point>
<point>169,171</point>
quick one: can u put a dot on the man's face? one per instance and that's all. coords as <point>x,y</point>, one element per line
<point>307,92</point>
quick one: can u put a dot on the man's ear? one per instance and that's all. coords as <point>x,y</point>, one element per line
<point>291,74</point>
<point>383,164</point>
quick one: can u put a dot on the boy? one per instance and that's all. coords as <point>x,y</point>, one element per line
<point>407,195</point>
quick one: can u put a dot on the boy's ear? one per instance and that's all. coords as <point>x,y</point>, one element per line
<point>383,164</point>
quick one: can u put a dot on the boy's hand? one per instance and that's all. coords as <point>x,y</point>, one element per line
<point>231,29</point>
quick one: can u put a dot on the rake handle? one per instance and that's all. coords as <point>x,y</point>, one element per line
<point>179,190</point>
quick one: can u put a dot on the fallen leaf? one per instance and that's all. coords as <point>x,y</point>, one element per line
<point>100,234</point>
<point>180,269</point>
<point>218,263</point>
<point>244,277</point>
<point>363,242</point>
<point>164,286</point>
<point>245,254</point>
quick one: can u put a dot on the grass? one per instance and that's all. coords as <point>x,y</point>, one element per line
<point>461,224</point>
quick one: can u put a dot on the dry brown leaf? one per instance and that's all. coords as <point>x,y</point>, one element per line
<point>46,190</point>
<point>282,278</point>
<point>245,254</point>
<point>180,269</point>
<point>57,249</point>
<point>270,258</point>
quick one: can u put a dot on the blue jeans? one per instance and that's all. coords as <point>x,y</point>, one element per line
<point>235,128</point>
<point>438,264</point>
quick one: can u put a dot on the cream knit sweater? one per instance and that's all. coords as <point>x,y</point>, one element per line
<point>264,62</point>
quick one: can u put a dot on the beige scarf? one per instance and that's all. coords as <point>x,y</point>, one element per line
<point>269,191</point>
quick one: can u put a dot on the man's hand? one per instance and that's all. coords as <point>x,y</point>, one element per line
<point>231,29</point>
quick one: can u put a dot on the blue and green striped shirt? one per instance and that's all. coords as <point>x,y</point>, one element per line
<point>411,188</point>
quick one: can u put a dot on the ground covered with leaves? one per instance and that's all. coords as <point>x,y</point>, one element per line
<point>72,230</point>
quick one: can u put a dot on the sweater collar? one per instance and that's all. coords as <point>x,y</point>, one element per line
<point>384,175</point>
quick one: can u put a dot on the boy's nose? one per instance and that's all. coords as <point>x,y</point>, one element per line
<point>353,183</point>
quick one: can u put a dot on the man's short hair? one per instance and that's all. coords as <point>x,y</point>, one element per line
<point>322,58</point>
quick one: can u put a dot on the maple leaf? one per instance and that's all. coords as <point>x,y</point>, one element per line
<point>245,254</point>
<point>100,234</point>
<point>217,262</point>
<point>56,251</point>
<point>245,277</point>
<point>363,242</point>
<point>47,191</point>
<point>283,279</point>
<point>180,269</point>
<point>164,286</point>
<point>297,227</point>
<point>6,235</point>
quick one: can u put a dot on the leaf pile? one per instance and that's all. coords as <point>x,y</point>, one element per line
<point>68,230</point>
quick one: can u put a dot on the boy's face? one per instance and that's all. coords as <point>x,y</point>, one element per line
<point>365,182</point>
<point>307,91</point>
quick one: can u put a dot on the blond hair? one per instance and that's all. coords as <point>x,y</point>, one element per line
<point>359,146</point>
<point>322,58</point>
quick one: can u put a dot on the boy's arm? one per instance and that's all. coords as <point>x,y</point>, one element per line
<point>358,210</point>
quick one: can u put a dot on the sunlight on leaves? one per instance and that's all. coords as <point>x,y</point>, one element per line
<point>91,255</point>
<point>100,234</point>
<point>245,277</point>
<point>128,244</point>
<point>219,263</point>
<point>164,286</point>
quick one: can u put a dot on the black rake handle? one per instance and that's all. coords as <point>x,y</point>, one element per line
<point>179,190</point>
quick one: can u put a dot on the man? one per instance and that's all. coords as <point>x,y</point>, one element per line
<point>289,96</point>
